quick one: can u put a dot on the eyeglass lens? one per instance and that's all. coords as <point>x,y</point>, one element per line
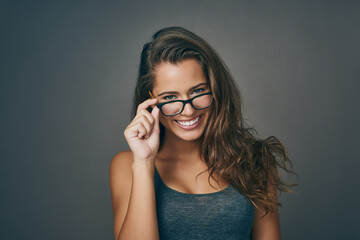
<point>198,103</point>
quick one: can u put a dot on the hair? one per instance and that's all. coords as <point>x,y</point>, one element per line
<point>229,147</point>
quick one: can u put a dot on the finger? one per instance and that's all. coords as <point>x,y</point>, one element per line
<point>145,122</point>
<point>135,130</point>
<point>147,114</point>
<point>147,119</point>
<point>146,104</point>
<point>156,114</point>
<point>141,130</point>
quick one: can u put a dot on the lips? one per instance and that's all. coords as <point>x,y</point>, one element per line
<point>189,124</point>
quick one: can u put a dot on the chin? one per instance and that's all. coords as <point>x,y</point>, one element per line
<point>185,137</point>
<point>189,137</point>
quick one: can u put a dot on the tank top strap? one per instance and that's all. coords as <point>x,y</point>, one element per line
<point>157,180</point>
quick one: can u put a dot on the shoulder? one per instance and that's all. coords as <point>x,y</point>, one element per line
<point>121,159</point>
<point>121,163</point>
<point>120,172</point>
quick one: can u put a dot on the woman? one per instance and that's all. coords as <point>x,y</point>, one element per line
<point>195,170</point>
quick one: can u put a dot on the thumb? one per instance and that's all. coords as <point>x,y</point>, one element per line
<point>156,112</point>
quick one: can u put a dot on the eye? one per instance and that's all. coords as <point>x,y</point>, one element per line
<point>199,90</point>
<point>169,97</point>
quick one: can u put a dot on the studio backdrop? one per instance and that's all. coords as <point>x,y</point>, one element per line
<point>68,71</point>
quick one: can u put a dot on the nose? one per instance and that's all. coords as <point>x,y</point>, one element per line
<point>188,110</point>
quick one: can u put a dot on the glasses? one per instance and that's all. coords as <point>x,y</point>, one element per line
<point>176,107</point>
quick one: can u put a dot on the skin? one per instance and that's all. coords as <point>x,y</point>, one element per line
<point>178,162</point>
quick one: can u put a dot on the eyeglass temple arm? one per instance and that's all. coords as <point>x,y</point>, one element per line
<point>152,96</point>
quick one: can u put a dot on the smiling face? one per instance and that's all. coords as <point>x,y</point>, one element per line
<point>182,81</point>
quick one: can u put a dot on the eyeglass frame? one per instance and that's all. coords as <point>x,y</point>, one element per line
<point>184,102</point>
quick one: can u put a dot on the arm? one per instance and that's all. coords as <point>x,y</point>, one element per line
<point>268,227</point>
<point>132,178</point>
<point>133,198</point>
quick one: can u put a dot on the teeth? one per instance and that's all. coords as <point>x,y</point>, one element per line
<point>188,123</point>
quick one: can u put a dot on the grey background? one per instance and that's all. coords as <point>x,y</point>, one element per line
<point>68,70</point>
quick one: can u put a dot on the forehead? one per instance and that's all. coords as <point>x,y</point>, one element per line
<point>177,77</point>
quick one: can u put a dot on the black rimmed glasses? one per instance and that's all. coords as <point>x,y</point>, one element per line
<point>173,108</point>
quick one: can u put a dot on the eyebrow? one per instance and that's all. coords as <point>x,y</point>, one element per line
<point>173,92</point>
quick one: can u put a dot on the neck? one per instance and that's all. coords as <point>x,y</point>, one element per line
<point>178,150</point>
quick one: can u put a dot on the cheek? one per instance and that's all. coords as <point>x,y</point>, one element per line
<point>161,119</point>
<point>207,111</point>
<point>164,120</point>
<point>207,115</point>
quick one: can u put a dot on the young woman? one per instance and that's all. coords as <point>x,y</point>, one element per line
<point>195,169</point>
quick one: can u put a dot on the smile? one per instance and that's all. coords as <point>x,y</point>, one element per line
<point>188,123</point>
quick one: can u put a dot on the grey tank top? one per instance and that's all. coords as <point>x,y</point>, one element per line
<point>226,214</point>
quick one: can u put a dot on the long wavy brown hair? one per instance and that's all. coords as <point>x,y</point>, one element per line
<point>230,147</point>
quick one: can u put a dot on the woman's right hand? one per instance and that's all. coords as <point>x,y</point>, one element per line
<point>143,133</point>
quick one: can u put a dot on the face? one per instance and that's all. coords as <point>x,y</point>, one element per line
<point>182,81</point>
